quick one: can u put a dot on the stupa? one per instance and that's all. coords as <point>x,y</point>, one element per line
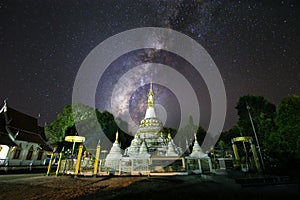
<point>115,154</point>
<point>197,150</point>
<point>149,136</point>
<point>171,147</point>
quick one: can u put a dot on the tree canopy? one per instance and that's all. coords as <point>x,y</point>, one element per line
<point>284,141</point>
<point>257,107</point>
<point>277,128</point>
<point>64,125</point>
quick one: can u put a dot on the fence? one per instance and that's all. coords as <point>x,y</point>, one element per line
<point>89,166</point>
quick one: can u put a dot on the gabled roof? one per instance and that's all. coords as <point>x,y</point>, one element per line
<point>22,127</point>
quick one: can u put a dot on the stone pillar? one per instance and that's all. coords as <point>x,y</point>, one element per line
<point>187,165</point>
<point>183,163</point>
<point>199,163</point>
<point>23,153</point>
<point>210,165</point>
<point>78,160</point>
<point>9,154</point>
<point>256,159</point>
<point>96,163</point>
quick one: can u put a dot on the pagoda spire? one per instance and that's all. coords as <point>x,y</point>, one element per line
<point>150,97</point>
<point>169,136</point>
<point>150,112</point>
<point>117,137</point>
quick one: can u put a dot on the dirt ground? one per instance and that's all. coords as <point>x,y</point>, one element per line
<point>173,187</point>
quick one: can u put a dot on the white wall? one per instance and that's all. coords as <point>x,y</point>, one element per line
<point>3,152</point>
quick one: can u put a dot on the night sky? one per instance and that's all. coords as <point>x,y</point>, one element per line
<point>255,44</point>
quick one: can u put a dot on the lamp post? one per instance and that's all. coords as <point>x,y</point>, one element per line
<point>74,139</point>
<point>262,161</point>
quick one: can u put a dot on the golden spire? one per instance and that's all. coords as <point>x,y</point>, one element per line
<point>169,136</point>
<point>151,91</point>
<point>117,136</point>
<point>150,97</point>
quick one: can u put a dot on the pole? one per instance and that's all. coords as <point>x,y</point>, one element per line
<point>59,161</point>
<point>78,160</point>
<point>50,164</point>
<point>247,157</point>
<point>262,161</point>
<point>256,160</point>
<point>236,154</point>
<point>96,164</point>
<point>73,147</point>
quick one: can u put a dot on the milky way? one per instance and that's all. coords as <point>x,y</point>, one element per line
<point>43,43</point>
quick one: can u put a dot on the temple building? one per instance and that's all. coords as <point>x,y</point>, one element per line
<point>22,141</point>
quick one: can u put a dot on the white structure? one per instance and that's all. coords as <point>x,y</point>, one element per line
<point>199,159</point>
<point>149,135</point>
<point>115,155</point>
<point>151,151</point>
<point>171,147</point>
<point>197,151</point>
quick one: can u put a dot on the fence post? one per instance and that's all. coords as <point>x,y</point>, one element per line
<point>256,159</point>
<point>96,164</point>
<point>59,162</point>
<point>78,160</point>
<point>50,164</point>
<point>183,163</point>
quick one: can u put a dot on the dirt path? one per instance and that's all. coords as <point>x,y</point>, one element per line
<point>175,187</point>
<point>63,187</point>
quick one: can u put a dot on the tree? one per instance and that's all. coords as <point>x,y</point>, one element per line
<point>56,130</point>
<point>65,123</point>
<point>185,138</point>
<point>110,126</point>
<point>260,110</point>
<point>166,130</point>
<point>226,136</point>
<point>81,114</point>
<point>186,134</point>
<point>201,133</point>
<point>285,142</point>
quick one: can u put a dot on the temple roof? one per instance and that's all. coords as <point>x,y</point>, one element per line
<point>23,127</point>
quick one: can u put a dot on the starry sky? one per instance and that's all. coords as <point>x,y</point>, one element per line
<point>255,45</point>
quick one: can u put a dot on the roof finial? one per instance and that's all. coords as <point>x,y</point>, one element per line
<point>4,108</point>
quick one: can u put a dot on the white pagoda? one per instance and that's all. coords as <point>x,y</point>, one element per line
<point>115,155</point>
<point>197,150</point>
<point>149,136</point>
